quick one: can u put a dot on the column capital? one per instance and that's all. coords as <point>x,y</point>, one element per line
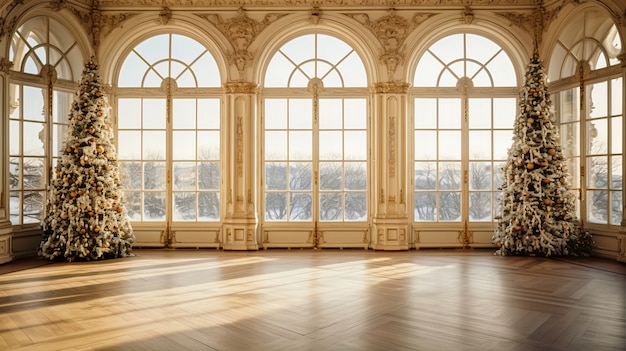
<point>390,88</point>
<point>240,88</point>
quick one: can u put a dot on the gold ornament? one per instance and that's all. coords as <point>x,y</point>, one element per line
<point>547,201</point>
<point>119,210</point>
<point>530,166</point>
<point>530,120</point>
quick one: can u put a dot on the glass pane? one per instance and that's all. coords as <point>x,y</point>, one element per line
<point>330,145</point>
<point>130,174</point>
<point>425,113</point>
<point>129,145</point>
<point>425,138</point>
<point>133,205</point>
<point>355,113</point>
<point>502,141</point>
<point>34,134</point>
<point>425,176</point>
<point>275,145</point>
<point>330,111</point>
<point>597,210</point>
<point>449,206</point>
<point>184,145</point>
<point>300,145</point>
<point>275,113</point>
<point>480,206</point>
<point>154,175</point>
<point>356,207</point>
<point>59,132</point>
<point>276,176</point>
<point>502,71</point>
<point>184,175</point>
<point>450,113</point>
<point>132,71</point>
<point>275,206</point>
<point>353,71</point>
<point>208,175</point>
<point>331,176</point>
<point>504,113</point>
<point>184,206</point>
<point>300,175</point>
<point>33,104</point>
<point>301,48</point>
<point>449,176</point>
<point>154,145</point>
<point>32,205</point>
<point>300,207</point>
<point>208,113</point>
<point>208,206</point>
<point>480,176</point>
<point>33,173</point>
<point>209,145</point>
<point>598,95</point>
<point>184,111</point>
<point>616,135</point>
<point>154,113</point>
<point>616,172</point>
<point>331,207</point>
<point>480,145</point>
<point>425,206</point>
<point>14,138</point>
<point>570,139</point>
<point>154,206</point>
<point>480,113</point>
<point>15,207</point>
<point>278,71</point>
<point>449,145</point>
<point>355,145</point>
<point>300,113</point>
<point>355,175</point>
<point>616,96</point>
<point>206,71</point>
<point>569,110</point>
<point>129,113</point>
<point>427,71</point>
<point>616,207</point>
<point>597,132</point>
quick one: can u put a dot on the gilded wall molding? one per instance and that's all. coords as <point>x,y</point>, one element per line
<point>240,31</point>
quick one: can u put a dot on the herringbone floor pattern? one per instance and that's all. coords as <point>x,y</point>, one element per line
<point>315,300</point>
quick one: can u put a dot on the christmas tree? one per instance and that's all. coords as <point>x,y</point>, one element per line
<point>85,216</point>
<point>538,210</point>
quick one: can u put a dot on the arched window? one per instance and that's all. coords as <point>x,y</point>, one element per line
<point>315,133</point>
<point>467,125</point>
<point>169,131</point>
<point>585,68</point>
<point>47,63</point>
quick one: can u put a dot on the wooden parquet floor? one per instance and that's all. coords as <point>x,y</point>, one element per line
<point>315,300</point>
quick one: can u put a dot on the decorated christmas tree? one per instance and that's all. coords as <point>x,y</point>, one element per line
<point>538,210</point>
<point>85,215</point>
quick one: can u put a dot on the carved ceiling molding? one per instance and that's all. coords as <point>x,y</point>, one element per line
<point>241,31</point>
<point>8,22</point>
<point>391,31</point>
<point>314,3</point>
<point>97,24</point>
<point>535,23</point>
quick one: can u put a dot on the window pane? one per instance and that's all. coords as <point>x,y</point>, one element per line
<point>208,206</point>
<point>502,141</point>
<point>425,113</point>
<point>208,175</point>
<point>32,203</point>
<point>130,173</point>
<point>425,206</point>
<point>449,206</point>
<point>34,136</point>
<point>331,116</point>
<point>331,145</point>
<point>275,176</point>
<point>275,145</point>
<point>425,176</point>
<point>275,206</point>
<point>480,145</point>
<point>425,138</point>
<point>276,114</point>
<point>300,113</point>
<point>300,145</point>
<point>504,113</point>
<point>184,206</point>
<point>597,99</point>
<point>300,208</point>
<point>356,209</point>
<point>154,113</point>
<point>480,206</point>
<point>300,175</point>
<point>449,145</point>
<point>184,176</point>
<point>154,206</point>
<point>154,145</point>
<point>154,175</point>
<point>208,113</point>
<point>129,145</point>
<point>331,176</point>
<point>355,175</point>
<point>331,207</point>
<point>209,145</point>
<point>450,176</point>
<point>129,113</point>
<point>480,176</point>
<point>450,113</point>
<point>597,131</point>
<point>355,145</point>
<point>184,145</point>
<point>355,113</point>
<point>480,113</point>
<point>184,111</point>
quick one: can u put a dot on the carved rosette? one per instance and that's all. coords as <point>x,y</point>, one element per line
<point>5,65</point>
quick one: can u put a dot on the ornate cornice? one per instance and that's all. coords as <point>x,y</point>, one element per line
<point>313,3</point>
<point>391,88</point>
<point>240,88</point>
<point>240,31</point>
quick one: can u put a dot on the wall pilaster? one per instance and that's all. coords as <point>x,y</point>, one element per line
<point>6,230</point>
<point>240,226</point>
<point>390,221</point>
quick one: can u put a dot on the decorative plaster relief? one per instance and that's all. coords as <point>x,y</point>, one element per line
<point>391,88</point>
<point>311,3</point>
<point>240,88</point>
<point>535,23</point>
<point>241,31</point>
<point>391,31</point>
<point>5,65</point>
<point>8,24</point>
<point>94,22</point>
